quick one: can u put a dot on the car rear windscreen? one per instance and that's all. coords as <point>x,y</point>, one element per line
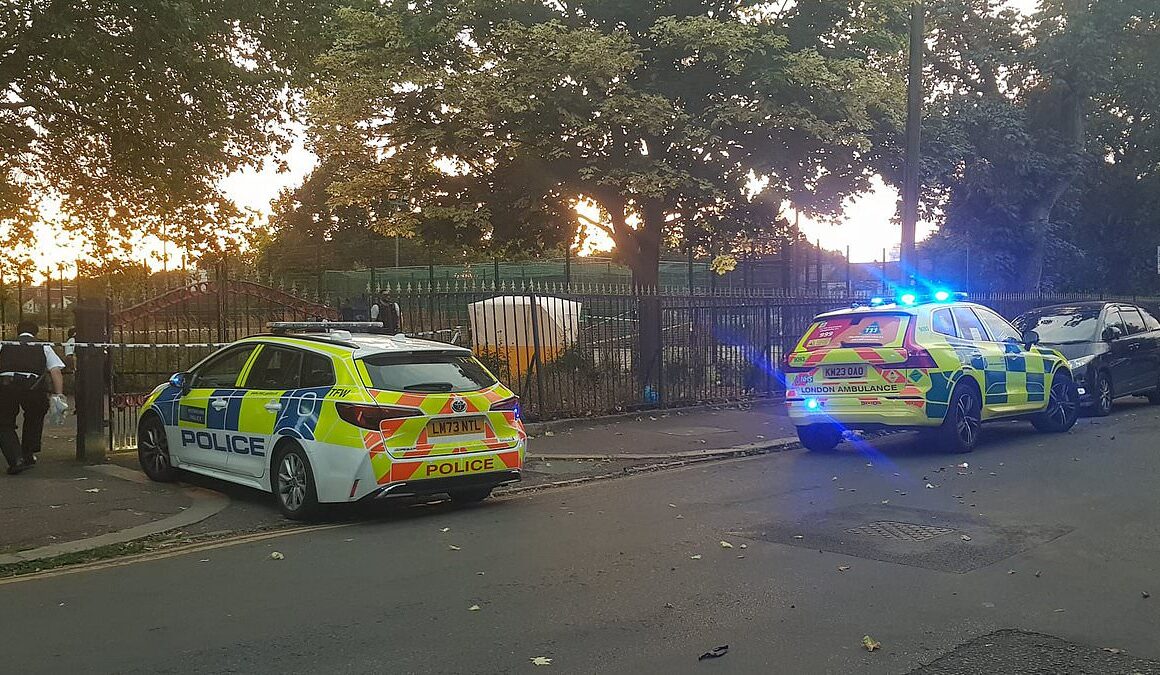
<point>856,330</point>
<point>427,373</point>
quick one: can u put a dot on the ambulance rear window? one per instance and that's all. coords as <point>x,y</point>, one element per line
<point>432,373</point>
<point>856,330</point>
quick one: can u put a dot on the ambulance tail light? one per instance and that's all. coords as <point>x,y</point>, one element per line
<point>511,403</point>
<point>916,356</point>
<point>370,416</point>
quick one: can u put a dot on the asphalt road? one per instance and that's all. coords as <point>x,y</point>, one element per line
<point>605,577</point>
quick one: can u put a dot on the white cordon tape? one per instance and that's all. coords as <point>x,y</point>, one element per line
<point>106,345</point>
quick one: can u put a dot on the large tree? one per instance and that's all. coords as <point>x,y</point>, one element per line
<point>486,120</point>
<point>1023,112</point>
<point>129,112</point>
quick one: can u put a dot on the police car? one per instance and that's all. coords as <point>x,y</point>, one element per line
<point>336,412</point>
<point>935,363</point>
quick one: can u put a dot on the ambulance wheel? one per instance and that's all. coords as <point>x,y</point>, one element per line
<point>153,450</point>
<point>472,496</point>
<point>820,437</point>
<point>960,428</point>
<point>1062,406</point>
<point>293,483</point>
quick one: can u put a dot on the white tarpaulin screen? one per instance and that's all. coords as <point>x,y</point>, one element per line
<point>502,327</point>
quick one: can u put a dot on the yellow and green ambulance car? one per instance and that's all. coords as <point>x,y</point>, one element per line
<point>332,413</point>
<point>937,364</point>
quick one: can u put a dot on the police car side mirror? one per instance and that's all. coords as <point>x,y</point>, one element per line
<point>1112,333</point>
<point>1030,337</point>
<point>181,381</point>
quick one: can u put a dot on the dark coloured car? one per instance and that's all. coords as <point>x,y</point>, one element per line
<point>1113,348</point>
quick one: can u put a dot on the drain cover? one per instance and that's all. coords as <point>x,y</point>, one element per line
<point>891,529</point>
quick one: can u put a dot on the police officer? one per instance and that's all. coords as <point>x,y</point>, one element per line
<point>28,373</point>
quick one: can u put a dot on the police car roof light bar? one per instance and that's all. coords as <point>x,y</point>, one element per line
<point>283,327</point>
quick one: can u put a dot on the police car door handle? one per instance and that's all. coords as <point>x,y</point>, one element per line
<point>273,406</point>
<point>219,403</point>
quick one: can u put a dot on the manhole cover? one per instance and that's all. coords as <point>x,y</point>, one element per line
<point>894,530</point>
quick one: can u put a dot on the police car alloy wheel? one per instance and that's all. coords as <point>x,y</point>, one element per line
<point>1062,406</point>
<point>294,484</point>
<point>153,451</point>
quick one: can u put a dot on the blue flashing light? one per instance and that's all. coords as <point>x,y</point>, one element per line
<point>942,296</point>
<point>874,302</point>
<point>908,298</point>
<point>811,404</point>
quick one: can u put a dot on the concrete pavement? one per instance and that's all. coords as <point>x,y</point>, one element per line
<point>631,575</point>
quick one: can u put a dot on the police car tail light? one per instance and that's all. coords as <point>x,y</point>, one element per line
<point>511,403</point>
<point>370,416</point>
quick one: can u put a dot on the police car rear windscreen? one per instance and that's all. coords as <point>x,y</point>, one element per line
<point>427,373</point>
<point>856,330</point>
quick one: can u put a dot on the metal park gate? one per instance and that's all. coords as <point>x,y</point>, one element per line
<point>173,330</point>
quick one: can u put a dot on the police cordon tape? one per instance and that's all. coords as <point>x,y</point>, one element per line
<point>107,345</point>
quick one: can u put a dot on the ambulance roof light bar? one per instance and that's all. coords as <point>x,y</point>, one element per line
<point>912,298</point>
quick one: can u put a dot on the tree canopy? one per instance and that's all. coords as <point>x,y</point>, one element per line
<point>129,112</point>
<point>1033,122</point>
<point>485,120</point>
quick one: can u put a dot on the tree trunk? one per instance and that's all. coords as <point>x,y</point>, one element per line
<point>643,257</point>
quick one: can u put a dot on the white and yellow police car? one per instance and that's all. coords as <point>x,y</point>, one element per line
<point>336,412</point>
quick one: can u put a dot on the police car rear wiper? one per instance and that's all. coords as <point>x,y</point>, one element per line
<point>862,344</point>
<point>429,386</point>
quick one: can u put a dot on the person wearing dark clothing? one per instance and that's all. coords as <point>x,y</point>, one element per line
<point>28,374</point>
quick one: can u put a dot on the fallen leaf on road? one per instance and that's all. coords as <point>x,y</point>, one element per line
<point>963,465</point>
<point>54,506</point>
<point>1145,594</point>
<point>1037,573</point>
<point>725,544</point>
<point>453,547</point>
<point>668,605</point>
<point>672,506</point>
<point>1010,571</point>
<point>798,536</point>
<point>541,661</point>
<point>870,643</point>
<point>744,546</point>
<point>549,433</point>
<point>929,486</point>
<point>446,529</point>
<point>1113,650</point>
<point>834,478</point>
<point>277,556</point>
<point>714,653</point>
<point>204,560</point>
<point>965,537</point>
<point>680,517</point>
<point>94,490</point>
<point>843,568</point>
<point>695,557</point>
<point>1059,610</point>
<point>885,501</point>
<point>473,608</point>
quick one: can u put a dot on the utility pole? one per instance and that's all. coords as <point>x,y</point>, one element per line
<point>913,133</point>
